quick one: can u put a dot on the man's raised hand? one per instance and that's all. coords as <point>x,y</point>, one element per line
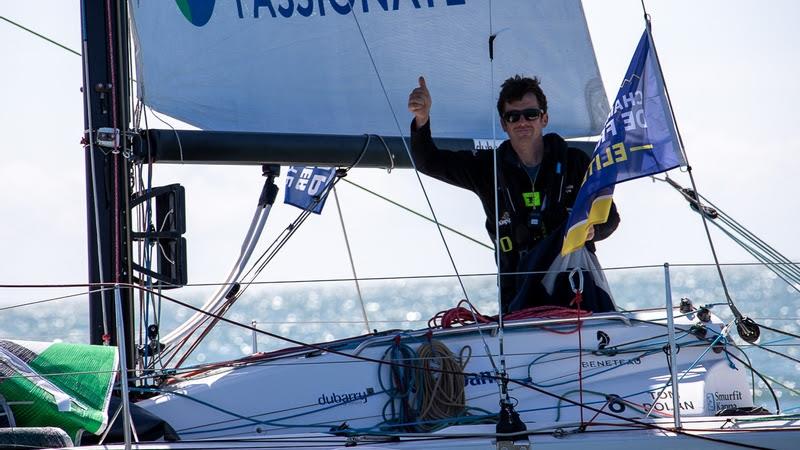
<point>419,103</point>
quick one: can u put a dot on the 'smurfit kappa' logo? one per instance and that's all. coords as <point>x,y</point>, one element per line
<point>198,12</point>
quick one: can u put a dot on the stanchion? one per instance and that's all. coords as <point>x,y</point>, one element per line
<point>123,369</point>
<point>672,349</point>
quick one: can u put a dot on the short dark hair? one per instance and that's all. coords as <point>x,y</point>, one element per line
<point>514,88</point>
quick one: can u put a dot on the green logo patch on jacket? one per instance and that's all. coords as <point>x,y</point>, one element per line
<point>532,199</point>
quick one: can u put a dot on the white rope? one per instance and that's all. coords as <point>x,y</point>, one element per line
<point>177,136</point>
<point>95,200</point>
<point>216,300</point>
<point>352,264</point>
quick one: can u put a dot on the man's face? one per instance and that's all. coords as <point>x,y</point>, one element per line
<point>523,129</point>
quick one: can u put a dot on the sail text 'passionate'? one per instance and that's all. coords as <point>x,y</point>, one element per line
<point>306,8</point>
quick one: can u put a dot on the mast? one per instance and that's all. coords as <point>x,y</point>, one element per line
<point>106,94</point>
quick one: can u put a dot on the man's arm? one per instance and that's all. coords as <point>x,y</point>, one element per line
<point>423,150</point>
<point>604,230</point>
<point>462,168</point>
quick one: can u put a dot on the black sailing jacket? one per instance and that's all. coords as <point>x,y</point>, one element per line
<point>559,178</point>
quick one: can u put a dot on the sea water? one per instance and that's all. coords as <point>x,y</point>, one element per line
<point>324,311</point>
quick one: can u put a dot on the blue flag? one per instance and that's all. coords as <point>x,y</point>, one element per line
<point>306,187</point>
<point>638,139</point>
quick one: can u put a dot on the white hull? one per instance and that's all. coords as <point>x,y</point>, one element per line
<point>294,398</point>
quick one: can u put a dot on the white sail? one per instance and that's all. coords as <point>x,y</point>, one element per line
<point>306,68</point>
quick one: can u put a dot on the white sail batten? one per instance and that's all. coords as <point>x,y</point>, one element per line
<point>301,66</point>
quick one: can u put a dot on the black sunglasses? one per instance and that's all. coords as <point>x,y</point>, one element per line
<point>529,114</point>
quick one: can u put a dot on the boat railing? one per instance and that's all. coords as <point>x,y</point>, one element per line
<point>492,328</point>
<point>327,309</point>
<point>322,310</point>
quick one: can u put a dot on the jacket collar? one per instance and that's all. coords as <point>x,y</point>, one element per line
<point>552,143</point>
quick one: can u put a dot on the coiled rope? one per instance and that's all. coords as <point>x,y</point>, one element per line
<point>441,394</point>
<point>461,315</point>
<point>426,390</point>
<point>400,410</point>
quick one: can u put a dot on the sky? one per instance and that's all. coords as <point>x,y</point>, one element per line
<point>731,68</point>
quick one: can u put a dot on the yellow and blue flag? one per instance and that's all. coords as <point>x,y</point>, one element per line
<point>638,139</point>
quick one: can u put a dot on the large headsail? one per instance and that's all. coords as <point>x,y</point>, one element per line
<point>302,66</point>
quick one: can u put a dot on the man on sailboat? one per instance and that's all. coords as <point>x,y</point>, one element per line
<point>538,178</point>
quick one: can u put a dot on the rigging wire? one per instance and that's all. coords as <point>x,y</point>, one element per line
<point>352,263</point>
<point>419,178</point>
<point>767,255</point>
<point>764,253</point>
<point>289,231</point>
<point>116,197</point>
<point>41,36</point>
<point>781,272</point>
<point>503,385</point>
<point>779,331</point>
<point>188,329</point>
<point>124,67</point>
<point>747,363</point>
<point>467,275</point>
<point>95,195</point>
<point>722,335</point>
<point>177,135</point>
<point>402,277</point>
<point>144,215</point>
<point>742,322</point>
<point>140,111</point>
<point>324,348</point>
<point>417,213</point>
<point>148,251</point>
<point>225,288</point>
<point>407,149</point>
<point>52,299</point>
<point>280,241</point>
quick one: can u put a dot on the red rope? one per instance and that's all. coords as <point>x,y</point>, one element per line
<point>458,315</point>
<point>461,315</point>
<point>546,312</point>
<point>111,63</point>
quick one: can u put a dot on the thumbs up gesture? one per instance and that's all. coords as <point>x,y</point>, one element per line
<point>419,103</point>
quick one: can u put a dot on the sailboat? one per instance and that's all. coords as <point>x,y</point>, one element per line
<point>605,378</point>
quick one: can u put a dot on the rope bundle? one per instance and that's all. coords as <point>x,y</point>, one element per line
<point>441,394</point>
<point>400,411</point>
<point>458,315</point>
<point>461,315</point>
<point>422,397</point>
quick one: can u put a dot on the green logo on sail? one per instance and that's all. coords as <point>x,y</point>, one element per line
<point>198,12</point>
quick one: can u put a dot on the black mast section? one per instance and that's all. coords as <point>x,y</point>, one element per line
<point>106,93</point>
<point>251,148</point>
